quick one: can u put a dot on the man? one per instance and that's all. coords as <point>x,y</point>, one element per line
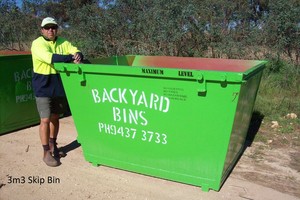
<point>47,86</point>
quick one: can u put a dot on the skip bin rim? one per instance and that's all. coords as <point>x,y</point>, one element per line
<point>135,71</point>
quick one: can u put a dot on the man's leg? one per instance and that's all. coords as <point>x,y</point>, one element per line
<point>54,129</point>
<point>59,105</point>
<point>54,125</point>
<point>43,105</point>
<point>44,130</point>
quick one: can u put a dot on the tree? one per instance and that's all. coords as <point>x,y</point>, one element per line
<point>283,29</point>
<point>210,28</point>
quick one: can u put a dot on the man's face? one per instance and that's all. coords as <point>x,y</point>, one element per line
<point>50,31</point>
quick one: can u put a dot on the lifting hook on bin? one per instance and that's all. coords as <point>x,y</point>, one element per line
<point>76,69</point>
<point>82,78</point>
<point>223,80</point>
<point>203,83</point>
<point>202,89</point>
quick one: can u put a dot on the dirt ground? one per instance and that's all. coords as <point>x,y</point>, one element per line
<point>263,172</point>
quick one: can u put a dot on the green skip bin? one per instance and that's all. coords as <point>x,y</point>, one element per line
<point>177,118</point>
<point>17,101</point>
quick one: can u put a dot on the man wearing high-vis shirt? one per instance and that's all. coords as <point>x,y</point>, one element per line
<point>47,86</point>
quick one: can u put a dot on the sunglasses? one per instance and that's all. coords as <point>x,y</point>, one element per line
<point>50,27</point>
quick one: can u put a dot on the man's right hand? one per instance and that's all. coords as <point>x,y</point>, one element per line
<point>77,58</point>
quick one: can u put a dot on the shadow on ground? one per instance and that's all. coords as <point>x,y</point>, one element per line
<point>70,147</point>
<point>254,126</point>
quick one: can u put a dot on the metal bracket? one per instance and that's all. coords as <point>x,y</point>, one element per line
<point>61,68</point>
<point>76,69</point>
<point>203,88</point>
<point>82,78</point>
<point>223,80</point>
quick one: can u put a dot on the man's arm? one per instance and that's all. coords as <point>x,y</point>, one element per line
<point>77,58</point>
<point>61,58</point>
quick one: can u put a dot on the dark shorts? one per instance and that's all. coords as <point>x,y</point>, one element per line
<point>47,106</point>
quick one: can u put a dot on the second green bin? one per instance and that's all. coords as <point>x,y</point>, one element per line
<point>176,118</point>
<point>17,101</point>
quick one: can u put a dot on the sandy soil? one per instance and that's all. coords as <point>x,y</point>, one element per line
<point>261,173</point>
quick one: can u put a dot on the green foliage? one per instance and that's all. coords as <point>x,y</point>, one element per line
<point>279,92</point>
<point>18,25</point>
<point>87,29</point>
<point>283,28</point>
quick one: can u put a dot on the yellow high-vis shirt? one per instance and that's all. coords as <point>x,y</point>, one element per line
<point>42,51</point>
<point>46,81</point>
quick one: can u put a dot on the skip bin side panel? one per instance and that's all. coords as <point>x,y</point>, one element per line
<point>17,102</point>
<point>243,116</point>
<point>154,126</point>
